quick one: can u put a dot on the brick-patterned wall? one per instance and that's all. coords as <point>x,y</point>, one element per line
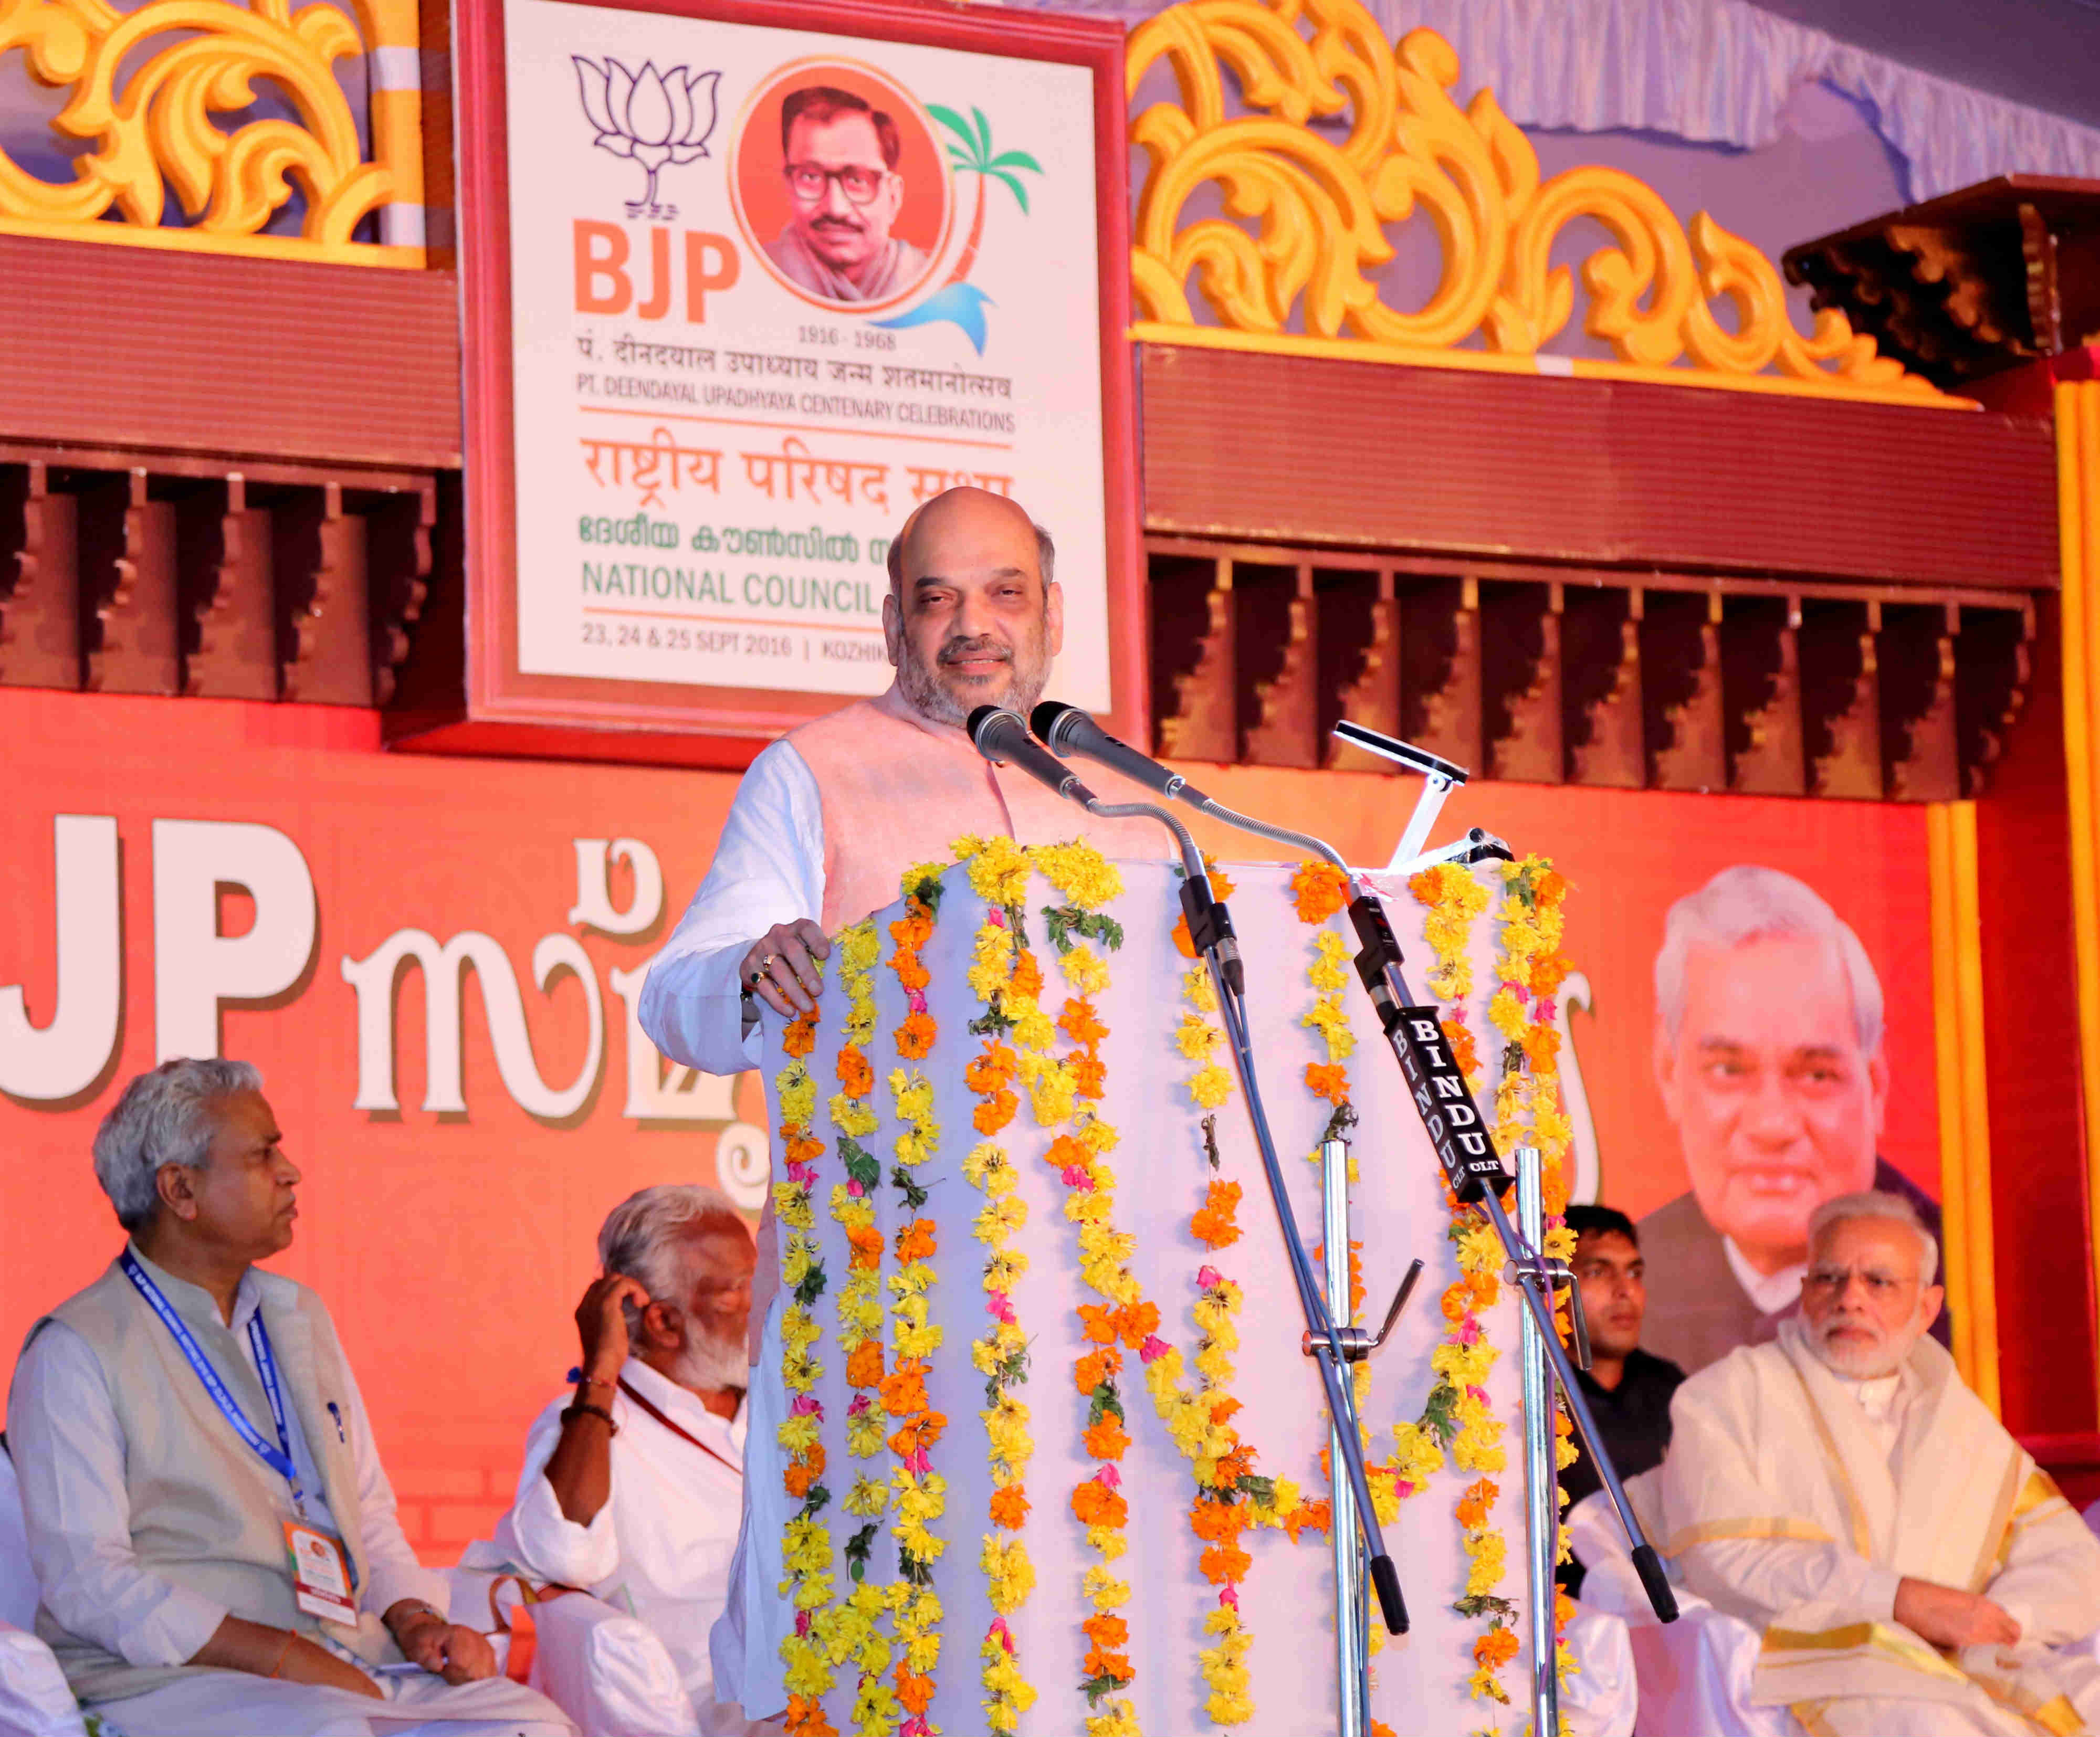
<point>451,1497</point>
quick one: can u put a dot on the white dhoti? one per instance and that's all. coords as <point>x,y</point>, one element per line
<point>233,1704</point>
<point>1778,1504</point>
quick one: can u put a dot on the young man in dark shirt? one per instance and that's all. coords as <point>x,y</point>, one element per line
<point>1629,1390</point>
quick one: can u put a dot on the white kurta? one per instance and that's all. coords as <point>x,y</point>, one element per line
<point>659,1548</point>
<point>1798,1501</point>
<point>768,868</point>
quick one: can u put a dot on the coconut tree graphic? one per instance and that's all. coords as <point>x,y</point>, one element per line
<point>974,155</point>
<point>970,153</point>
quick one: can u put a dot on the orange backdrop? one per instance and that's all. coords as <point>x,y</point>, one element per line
<point>452,1248</point>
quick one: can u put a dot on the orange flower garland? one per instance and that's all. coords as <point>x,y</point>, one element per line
<point>806,1545</point>
<point>1527,1106</point>
<point>919,1491</point>
<point>1000,1354</point>
<point>1458,1420</point>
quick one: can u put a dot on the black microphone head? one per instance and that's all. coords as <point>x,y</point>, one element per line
<point>1044,719</point>
<point>979,718</point>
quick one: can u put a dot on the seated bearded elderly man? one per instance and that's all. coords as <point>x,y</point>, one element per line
<point>212,1534</point>
<point>633,1489</point>
<point>1913,1573</point>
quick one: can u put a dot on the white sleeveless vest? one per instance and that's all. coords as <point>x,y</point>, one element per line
<point>206,1511</point>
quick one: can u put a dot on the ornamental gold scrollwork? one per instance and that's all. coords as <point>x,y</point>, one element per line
<point>151,123</point>
<point>1309,208</point>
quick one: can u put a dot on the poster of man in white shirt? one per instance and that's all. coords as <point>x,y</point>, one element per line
<point>1769,1060</point>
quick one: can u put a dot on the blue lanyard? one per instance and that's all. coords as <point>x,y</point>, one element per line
<point>278,1458</point>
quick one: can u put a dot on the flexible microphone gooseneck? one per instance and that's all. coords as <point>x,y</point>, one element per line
<point>1070,731</point>
<point>1067,730</point>
<point>1002,737</point>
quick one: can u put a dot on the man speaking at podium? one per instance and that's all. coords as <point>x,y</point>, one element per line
<point>828,818</point>
<point>824,827</point>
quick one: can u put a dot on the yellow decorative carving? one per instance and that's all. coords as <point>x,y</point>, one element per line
<point>1319,205</point>
<point>150,121</point>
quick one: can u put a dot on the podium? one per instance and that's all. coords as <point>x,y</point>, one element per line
<point>1115,1285</point>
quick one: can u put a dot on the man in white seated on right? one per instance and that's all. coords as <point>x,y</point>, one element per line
<point>633,1490</point>
<point>1912,1571</point>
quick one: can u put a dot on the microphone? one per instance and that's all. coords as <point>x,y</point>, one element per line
<point>1068,730</point>
<point>1003,739</point>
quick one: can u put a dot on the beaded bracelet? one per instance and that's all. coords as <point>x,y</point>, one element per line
<point>580,1409</point>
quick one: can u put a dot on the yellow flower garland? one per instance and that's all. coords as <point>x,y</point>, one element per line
<point>1229,1496</point>
<point>806,1544</point>
<point>860,1311</point>
<point>1458,1420</point>
<point>919,1493</point>
<point>1000,1354</point>
<point>1528,1102</point>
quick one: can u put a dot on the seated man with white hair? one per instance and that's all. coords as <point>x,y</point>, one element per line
<point>214,1541</point>
<point>1912,1572</point>
<point>633,1490</point>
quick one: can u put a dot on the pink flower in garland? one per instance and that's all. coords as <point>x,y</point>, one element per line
<point>1075,1177</point>
<point>1000,1306</point>
<point>1209,1278</point>
<point>1154,1348</point>
<point>807,1405</point>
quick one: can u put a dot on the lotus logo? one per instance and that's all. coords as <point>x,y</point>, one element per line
<point>656,118</point>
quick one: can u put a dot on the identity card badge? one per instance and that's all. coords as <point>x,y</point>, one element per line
<point>320,1574</point>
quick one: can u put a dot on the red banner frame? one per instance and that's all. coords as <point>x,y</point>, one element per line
<point>506,710</point>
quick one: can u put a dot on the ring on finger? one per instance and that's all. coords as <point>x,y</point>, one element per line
<point>763,968</point>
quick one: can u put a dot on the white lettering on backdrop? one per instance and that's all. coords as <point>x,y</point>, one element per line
<point>198,971</point>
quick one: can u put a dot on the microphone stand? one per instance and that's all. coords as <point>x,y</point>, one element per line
<point>1471,1168</point>
<point>1331,1347</point>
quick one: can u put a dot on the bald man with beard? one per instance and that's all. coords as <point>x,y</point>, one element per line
<point>824,827</point>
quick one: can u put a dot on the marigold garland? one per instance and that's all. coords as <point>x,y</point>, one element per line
<point>1528,1102</point>
<point>806,1544</point>
<point>1065,1094</point>
<point>1000,1354</point>
<point>999,873</point>
<point>860,1319</point>
<point>1458,1419</point>
<point>1229,1495</point>
<point>919,1493</point>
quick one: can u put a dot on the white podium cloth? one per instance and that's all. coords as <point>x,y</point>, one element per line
<point>1161,1174</point>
